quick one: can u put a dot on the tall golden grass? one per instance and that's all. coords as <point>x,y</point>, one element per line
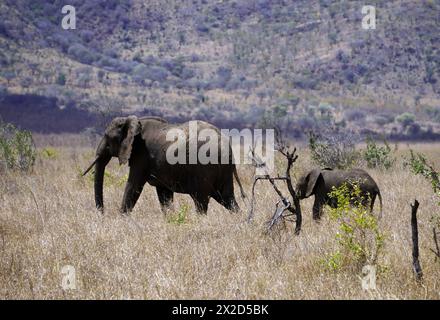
<point>48,220</point>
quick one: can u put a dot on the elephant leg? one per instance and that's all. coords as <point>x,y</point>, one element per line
<point>165,198</point>
<point>201,202</point>
<point>228,201</point>
<point>373,199</point>
<point>317,209</point>
<point>133,189</point>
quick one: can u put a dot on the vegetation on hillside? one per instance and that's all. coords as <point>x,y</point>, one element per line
<point>232,62</point>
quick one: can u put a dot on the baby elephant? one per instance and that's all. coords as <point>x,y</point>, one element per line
<point>321,181</point>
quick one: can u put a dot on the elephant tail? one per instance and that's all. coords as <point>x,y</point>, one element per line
<point>243,195</point>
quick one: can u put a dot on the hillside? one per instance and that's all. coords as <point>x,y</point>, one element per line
<point>235,63</point>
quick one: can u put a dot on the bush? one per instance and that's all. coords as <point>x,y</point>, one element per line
<point>306,83</point>
<point>17,148</point>
<point>82,54</point>
<point>4,60</point>
<point>354,115</point>
<point>383,119</point>
<point>333,149</point>
<point>49,153</point>
<point>433,113</point>
<point>419,166</point>
<point>406,119</point>
<point>378,156</point>
<point>359,238</point>
<point>61,79</point>
<point>142,72</point>
<point>224,74</point>
<point>113,64</point>
<point>87,35</point>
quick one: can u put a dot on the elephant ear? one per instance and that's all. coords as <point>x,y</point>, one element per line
<point>312,179</point>
<point>133,127</point>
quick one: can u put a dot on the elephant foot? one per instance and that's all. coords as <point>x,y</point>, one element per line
<point>124,212</point>
<point>317,219</point>
<point>201,204</point>
<point>100,210</point>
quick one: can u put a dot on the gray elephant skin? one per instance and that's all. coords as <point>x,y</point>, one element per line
<point>142,143</point>
<point>320,182</point>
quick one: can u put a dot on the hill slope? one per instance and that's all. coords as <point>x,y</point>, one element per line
<point>235,63</point>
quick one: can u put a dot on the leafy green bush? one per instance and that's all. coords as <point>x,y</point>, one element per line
<point>406,119</point>
<point>333,149</point>
<point>17,148</point>
<point>378,156</point>
<point>49,153</point>
<point>359,238</point>
<point>419,166</point>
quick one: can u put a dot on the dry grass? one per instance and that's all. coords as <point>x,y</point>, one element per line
<point>48,220</point>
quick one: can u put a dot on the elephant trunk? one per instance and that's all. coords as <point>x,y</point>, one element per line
<point>103,157</point>
<point>101,163</point>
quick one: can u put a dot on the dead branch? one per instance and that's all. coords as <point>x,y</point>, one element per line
<point>284,204</point>
<point>415,241</point>
<point>437,247</point>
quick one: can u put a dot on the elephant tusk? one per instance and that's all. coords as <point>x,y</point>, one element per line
<point>90,167</point>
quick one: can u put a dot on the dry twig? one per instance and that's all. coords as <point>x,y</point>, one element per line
<point>284,204</point>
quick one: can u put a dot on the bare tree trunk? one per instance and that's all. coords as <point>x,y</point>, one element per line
<point>415,240</point>
<point>437,247</point>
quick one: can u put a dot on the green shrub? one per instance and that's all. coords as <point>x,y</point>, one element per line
<point>17,148</point>
<point>378,156</point>
<point>406,119</point>
<point>49,153</point>
<point>419,166</point>
<point>359,238</point>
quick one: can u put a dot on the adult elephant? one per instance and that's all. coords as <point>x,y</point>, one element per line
<point>320,182</point>
<point>143,144</point>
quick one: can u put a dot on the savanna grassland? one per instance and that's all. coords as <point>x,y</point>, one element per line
<point>48,220</point>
